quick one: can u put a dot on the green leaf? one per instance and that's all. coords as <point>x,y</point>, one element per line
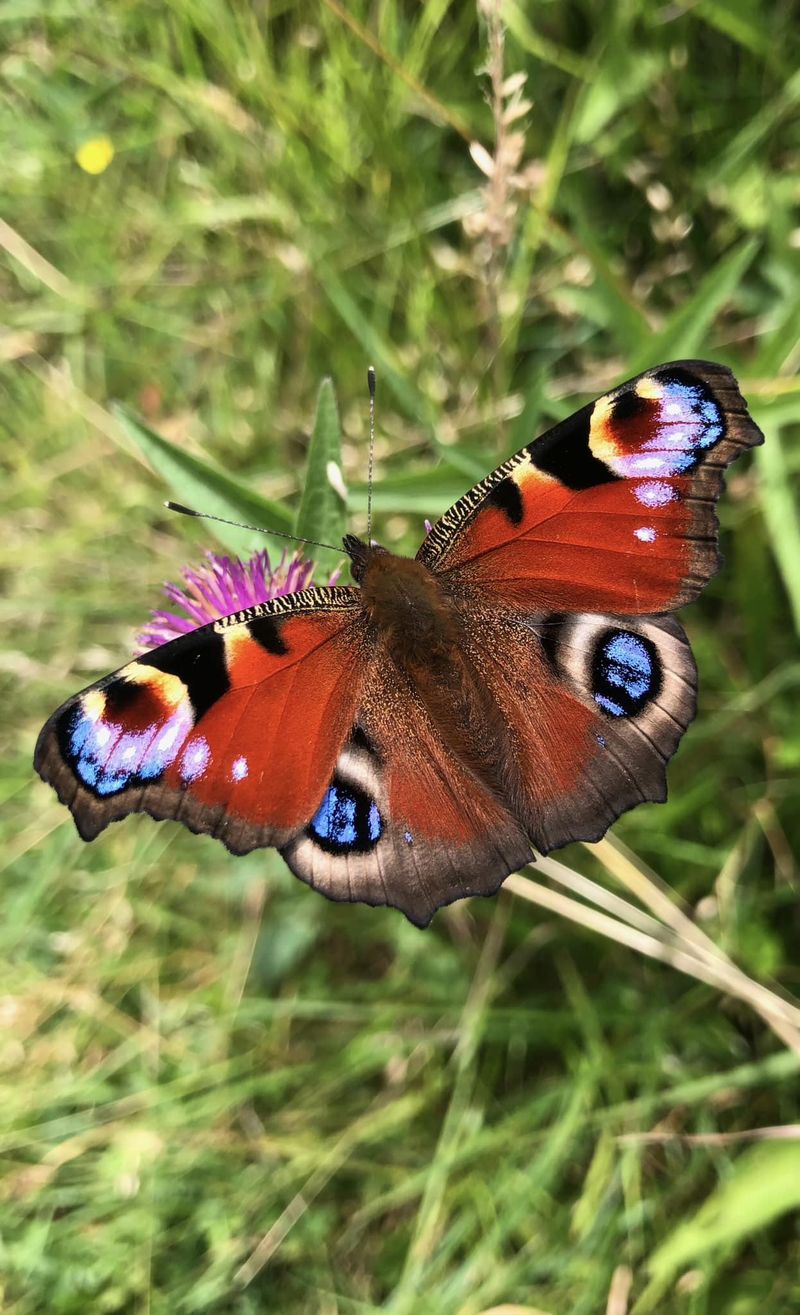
<point>742,23</point>
<point>618,80</point>
<point>323,511</point>
<point>765,1183</point>
<point>623,317</point>
<point>686,332</point>
<point>377,349</point>
<point>746,145</point>
<point>418,493</point>
<point>549,52</point>
<point>781,513</point>
<point>205,488</point>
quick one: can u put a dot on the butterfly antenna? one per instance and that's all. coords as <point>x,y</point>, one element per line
<point>371,459</point>
<point>259,529</point>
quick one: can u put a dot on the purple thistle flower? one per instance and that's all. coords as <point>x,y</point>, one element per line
<point>223,585</point>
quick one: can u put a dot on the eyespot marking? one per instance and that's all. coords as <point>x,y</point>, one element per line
<point>626,673</point>
<point>688,401</point>
<point>347,820</point>
<point>111,755</point>
<point>239,769</point>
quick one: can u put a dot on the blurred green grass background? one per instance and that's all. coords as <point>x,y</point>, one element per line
<point>220,1092</point>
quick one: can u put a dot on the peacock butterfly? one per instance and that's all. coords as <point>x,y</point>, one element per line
<point>411,739</point>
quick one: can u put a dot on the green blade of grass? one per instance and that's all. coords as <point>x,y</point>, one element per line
<point>780,512</point>
<point>685,332</point>
<point>198,484</point>
<point>378,350</point>
<point>765,1184</point>
<point>323,511</point>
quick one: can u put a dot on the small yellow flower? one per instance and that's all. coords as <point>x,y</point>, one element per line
<point>95,155</point>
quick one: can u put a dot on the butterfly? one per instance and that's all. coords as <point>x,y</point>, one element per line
<point>413,738</point>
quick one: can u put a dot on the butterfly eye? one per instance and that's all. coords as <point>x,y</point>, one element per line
<point>358,552</point>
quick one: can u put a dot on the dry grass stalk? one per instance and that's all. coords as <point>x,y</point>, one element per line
<point>666,933</point>
<point>509,180</point>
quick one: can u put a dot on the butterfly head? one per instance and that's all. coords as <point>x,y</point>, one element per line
<point>360,554</point>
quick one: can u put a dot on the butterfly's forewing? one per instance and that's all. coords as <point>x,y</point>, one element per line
<point>286,725</point>
<point>234,729</point>
<point>613,509</point>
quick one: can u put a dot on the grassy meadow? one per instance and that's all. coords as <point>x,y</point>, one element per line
<point>221,1093</point>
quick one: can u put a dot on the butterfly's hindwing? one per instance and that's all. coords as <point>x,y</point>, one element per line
<point>401,822</point>
<point>596,705</point>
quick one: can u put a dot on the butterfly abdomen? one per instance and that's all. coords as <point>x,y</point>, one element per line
<point>422,632</point>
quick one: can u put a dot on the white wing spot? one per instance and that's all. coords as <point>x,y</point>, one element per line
<point>195,759</point>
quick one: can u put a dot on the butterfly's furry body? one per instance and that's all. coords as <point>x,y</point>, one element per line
<point>516,686</point>
<point>422,633</point>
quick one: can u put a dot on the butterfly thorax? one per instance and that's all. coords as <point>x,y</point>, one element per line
<point>405,602</point>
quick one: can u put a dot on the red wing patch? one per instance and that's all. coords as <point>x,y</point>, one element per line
<point>233,729</point>
<point>612,510</point>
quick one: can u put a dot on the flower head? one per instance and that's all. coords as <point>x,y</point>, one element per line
<point>95,155</point>
<point>223,585</point>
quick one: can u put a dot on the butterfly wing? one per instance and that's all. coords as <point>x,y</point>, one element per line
<point>233,729</point>
<point>613,509</point>
<point>252,730</point>
<point>289,724</point>
<point>595,706</point>
<point>403,821</point>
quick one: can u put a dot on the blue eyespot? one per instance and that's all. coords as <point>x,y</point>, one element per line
<point>106,757</point>
<point>336,817</point>
<point>626,673</point>
<point>687,401</point>
<point>682,423</point>
<point>347,820</point>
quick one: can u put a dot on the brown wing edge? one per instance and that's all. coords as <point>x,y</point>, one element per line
<point>741,433</point>
<point>420,909</point>
<point>161,803</point>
